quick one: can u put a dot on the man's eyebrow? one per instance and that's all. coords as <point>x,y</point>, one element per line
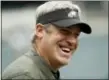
<point>66,29</point>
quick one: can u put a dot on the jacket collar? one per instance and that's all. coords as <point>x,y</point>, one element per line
<point>40,62</point>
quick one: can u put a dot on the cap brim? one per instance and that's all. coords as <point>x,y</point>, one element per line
<point>70,22</point>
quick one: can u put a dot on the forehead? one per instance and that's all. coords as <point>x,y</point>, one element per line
<point>70,28</point>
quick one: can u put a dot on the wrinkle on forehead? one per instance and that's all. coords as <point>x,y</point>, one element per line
<point>70,28</point>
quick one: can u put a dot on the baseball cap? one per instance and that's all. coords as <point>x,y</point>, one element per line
<point>65,18</point>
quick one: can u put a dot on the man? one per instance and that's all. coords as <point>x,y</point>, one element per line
<point>57,29</point>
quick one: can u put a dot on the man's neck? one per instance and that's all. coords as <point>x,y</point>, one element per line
<point>45,59</point>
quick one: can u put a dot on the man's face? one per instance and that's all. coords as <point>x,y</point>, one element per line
<point>58,44</point>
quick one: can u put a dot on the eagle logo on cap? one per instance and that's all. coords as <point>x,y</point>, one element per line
<point>72,14</point>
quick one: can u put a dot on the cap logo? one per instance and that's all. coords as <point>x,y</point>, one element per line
<point>72,14</point>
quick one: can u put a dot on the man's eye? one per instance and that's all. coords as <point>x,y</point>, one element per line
<point>76,35</point>
<point>65,32</point>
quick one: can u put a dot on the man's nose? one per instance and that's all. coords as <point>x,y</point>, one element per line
<point>71,40</point>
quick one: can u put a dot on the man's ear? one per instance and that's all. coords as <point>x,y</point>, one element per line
<point>39,30</point>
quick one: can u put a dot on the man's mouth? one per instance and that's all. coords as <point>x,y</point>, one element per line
<point>65,49</point>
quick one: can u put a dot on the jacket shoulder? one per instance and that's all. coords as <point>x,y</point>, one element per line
<point>23,67</point>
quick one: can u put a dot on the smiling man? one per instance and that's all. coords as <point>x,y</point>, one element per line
<point>58,26</point>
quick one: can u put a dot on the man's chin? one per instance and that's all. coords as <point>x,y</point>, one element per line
<point>64,62</point>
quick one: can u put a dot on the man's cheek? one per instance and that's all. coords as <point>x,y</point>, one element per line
<point>76,45</point>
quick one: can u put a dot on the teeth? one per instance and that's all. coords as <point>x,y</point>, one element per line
<point>65,49</point>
